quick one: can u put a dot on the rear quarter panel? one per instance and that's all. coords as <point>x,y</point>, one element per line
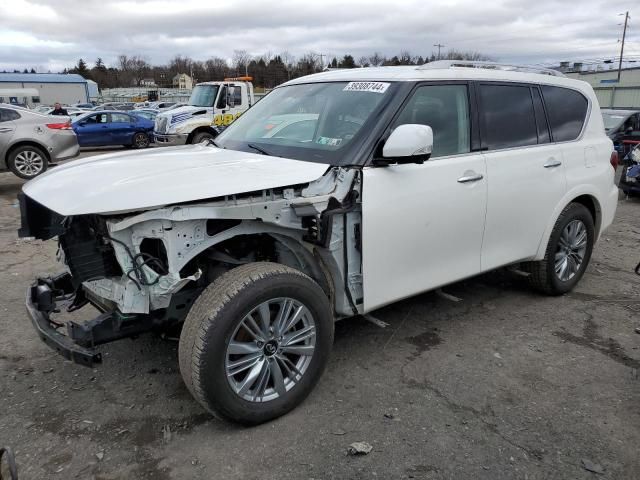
<point>588,171</point>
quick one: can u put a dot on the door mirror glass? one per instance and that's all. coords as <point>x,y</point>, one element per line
<point>409,143</point>
<point>222,99</point>
<point>231,99</point>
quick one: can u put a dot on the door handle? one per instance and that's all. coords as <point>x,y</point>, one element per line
<point>4,130</point>
<point>474,177</point>
<point>552,163</point>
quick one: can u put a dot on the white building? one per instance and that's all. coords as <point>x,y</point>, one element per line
<point>610,92</point>
<point>182,81</point>
<point>52,87</point>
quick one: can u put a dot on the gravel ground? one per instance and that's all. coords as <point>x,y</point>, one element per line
<point>503,384</point>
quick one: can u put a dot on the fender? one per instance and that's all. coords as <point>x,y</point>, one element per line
<point>571,195</point>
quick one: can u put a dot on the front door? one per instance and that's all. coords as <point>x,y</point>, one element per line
<point>93,130</point>
<point>423,224</point>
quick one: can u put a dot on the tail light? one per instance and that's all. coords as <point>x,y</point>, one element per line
<point>614,160</point>
<point>59,126</point>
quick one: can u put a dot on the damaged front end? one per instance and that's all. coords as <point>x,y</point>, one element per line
<point>143,270</point>
<point>120,291</point>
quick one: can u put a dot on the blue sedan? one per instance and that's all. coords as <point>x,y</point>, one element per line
<point>113,128</point>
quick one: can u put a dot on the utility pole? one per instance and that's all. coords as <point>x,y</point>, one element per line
<point>439,47</point>
<point>624,34</point>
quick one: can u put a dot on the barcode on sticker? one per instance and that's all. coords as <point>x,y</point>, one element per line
<point>375,87</point>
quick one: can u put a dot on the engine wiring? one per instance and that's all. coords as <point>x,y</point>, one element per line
<point>141,278</point>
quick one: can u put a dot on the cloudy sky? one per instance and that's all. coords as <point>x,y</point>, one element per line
<point>53,34</point>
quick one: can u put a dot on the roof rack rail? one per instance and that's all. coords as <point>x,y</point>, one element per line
<point>438,64</point>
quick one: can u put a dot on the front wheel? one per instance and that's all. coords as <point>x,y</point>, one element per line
<point>256,342</point>
<point>202,137</point>
<point>140,140</point>
<point>568,252</point>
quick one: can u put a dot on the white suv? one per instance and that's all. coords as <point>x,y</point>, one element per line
<point>336,194</point>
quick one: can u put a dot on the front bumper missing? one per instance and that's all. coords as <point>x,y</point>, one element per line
<point>45,297</point>
<point>41,302</point>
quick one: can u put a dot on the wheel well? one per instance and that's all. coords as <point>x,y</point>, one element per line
<point>199,130</point>
<point>256,247</point>
<point>594,208</point>
<point>24,143</point>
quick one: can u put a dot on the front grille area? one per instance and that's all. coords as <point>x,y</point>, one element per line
<point>161,125</point>
<point>87,252</point>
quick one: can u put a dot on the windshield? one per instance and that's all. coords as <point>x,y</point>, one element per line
<point>203,95</point>
<point>315,122</point>
<point>612,120</point>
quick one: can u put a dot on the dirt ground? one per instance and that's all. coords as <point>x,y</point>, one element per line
<point>503,384</point>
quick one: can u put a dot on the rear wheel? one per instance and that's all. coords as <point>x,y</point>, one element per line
<point>27,161</point>
<point>255,342</point>
<point>568,252</point>
<point>140,140</point>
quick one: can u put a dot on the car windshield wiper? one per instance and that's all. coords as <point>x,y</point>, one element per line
<point>259,149</point>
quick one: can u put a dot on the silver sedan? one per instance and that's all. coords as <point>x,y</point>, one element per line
<point>30,141</point>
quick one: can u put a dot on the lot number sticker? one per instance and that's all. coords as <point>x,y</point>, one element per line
<point>375,87</point>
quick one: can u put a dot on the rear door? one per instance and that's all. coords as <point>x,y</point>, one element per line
<point>526,175</point>
<point>121,129</point>
<point>7,127</point>
<point>423,223</point>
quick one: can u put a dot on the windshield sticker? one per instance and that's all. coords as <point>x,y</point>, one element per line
<point>333,142</point>
<point>375,87</point>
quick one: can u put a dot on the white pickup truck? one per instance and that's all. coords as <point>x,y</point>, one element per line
<point>212,106</point>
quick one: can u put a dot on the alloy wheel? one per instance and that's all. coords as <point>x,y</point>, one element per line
<point>270,350</point>
<point>571,250</point>
<point>29,163</point>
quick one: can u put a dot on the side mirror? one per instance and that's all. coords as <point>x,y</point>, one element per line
<point>409,143</point>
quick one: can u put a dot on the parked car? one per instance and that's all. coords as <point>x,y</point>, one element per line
<point>412,178</point>
<point>85,106</point>
<point>113,128</point>
<point>630,177</point>
<point>623,128</point>
<point>147,113</point>
<point>30,142</point>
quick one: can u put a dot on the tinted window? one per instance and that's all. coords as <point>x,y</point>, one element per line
<point>567,110</point>
<point>445,108</point>
<point>507,116</point>
<point>541,118</point>
<point>120,118</point>
<point>237,95</point>
<point>7,115</point>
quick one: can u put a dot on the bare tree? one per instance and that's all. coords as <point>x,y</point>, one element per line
<point>133,69</point>
<point>376,59</point>
<point>240,61</point>
<point>363,61</point>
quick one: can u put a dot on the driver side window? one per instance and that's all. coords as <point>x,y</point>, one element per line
<point>444,108</point>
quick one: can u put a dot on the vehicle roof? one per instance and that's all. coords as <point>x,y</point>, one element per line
<point>42,78</point>
<point>614,111</point>
<point>418,73</point>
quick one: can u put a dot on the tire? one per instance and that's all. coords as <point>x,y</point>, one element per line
<point>27,161</point>
<point>222,314</point>
<point>201,137</point>
<point>140,140</point>
<point>574,219</point>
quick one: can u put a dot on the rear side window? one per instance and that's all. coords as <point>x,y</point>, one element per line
<point>6,115</point>
<point>507,117</point>
<point>567,110</point>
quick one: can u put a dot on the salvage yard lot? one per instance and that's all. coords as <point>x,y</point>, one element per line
<point>503,384</point>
